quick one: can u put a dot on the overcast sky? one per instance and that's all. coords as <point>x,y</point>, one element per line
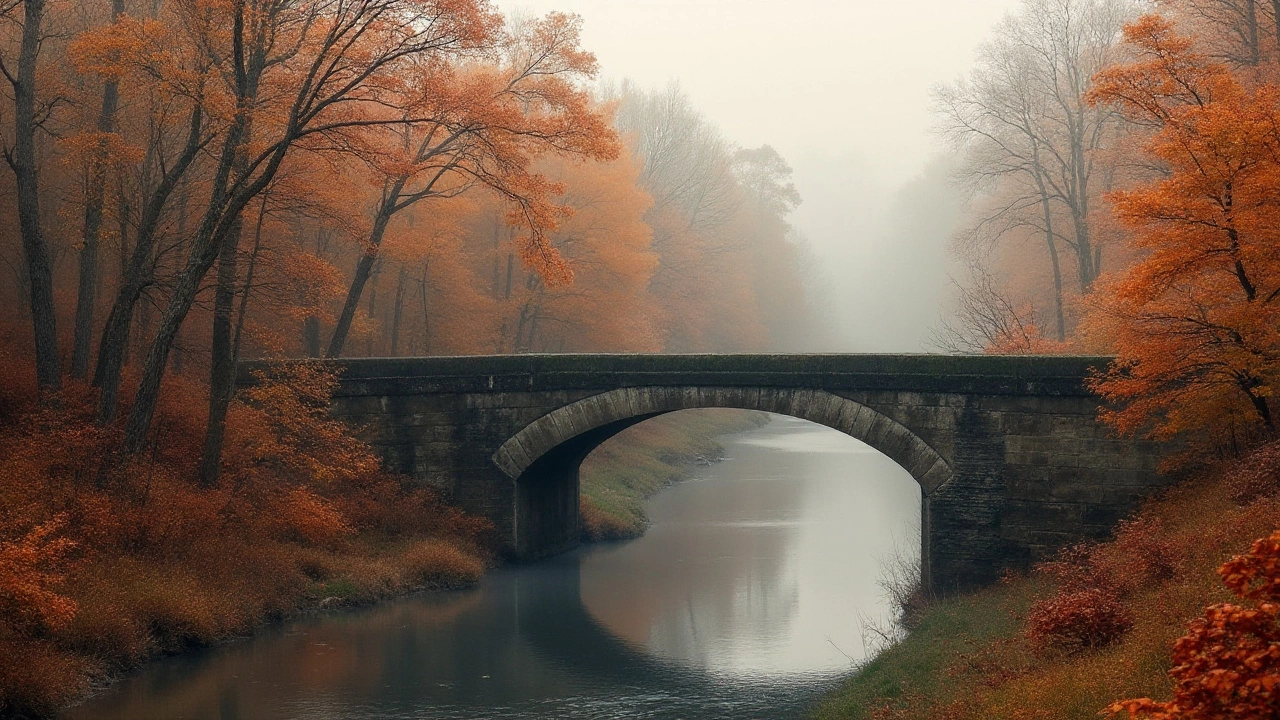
<point>839,87</point>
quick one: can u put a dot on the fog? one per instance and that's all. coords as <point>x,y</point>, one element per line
<point>842,90</point>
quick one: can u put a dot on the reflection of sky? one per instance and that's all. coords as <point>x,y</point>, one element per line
<point>763,563</point>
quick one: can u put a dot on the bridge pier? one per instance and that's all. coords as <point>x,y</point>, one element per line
<point>1011,461</point>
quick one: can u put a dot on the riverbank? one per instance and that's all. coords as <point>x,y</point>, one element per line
<point>631,467</point>
<point>1094,627</point>
<point>107,562</point>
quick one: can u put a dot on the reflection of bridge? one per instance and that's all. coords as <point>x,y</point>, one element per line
<point>1010,459</point>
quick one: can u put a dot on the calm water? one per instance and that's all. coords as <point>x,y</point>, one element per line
<point>742,601</point>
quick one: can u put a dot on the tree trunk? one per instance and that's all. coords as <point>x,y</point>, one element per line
<point>1251,30</point>
<point>397,313</point>
<point>426,316</point>
<point>114,346</point>
<point>88,290</point>
<point>22,159</point>
<point>372,308</point>
<point>220,212</point>
<point>1057,268</point>
<point>311,336</point>
<point>221,363</point>
<point>1275,11</point>
<point>364,269</point>
<point>248,283</point>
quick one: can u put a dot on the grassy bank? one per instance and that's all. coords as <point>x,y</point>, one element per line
<point>1036,647</point>
<point>641,460</point>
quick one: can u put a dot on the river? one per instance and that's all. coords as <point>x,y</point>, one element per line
<point>742,601</point>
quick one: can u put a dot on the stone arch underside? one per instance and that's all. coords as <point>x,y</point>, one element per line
<point>879,431</point>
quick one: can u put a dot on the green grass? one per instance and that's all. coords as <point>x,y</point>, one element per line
<point>635,464</point>
<point>923,664</point>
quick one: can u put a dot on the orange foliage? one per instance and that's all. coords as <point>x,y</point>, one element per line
<point>30,568</point>
<point>99,570</point>
<point>1228,663</point>
<point>1195,323</point>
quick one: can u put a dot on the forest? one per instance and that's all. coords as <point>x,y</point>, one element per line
<point>195,182</point>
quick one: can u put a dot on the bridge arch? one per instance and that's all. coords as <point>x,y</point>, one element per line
<point>543,459</point>
<point>599,417</point>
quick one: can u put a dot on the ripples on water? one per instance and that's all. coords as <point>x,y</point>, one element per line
<point>742,601</point>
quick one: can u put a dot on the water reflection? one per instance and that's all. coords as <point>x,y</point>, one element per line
<point>740,602</point>
<point>757,566</point>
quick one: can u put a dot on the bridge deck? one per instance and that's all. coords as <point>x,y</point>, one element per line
<point>986,374</point>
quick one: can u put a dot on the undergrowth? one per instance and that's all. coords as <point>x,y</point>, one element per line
<point>106,561</point>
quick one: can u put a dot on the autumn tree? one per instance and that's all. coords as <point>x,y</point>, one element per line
<point>721,247</point>
<point>1194,323</point>
<point>483,126</point>
<point>608,244</point>
<point>987,319</point>
<point>1240,33</point>
<point>101,141</point>
<point>1030,140</point>
<point>345,53</point>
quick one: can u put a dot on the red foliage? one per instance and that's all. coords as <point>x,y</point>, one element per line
<point>1256,475</point>
<point>1140,554</point>
<point>1228,663</point>
<point>1088,608</point>
<point>1078,619</point>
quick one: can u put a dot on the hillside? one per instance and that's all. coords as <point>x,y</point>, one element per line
<point>997,654</point>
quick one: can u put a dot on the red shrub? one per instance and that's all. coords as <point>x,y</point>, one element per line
<point>1078,619</point>
<point>1228,663</point>
<point>1255,475</point>
<point>1140,554</point>
<point>1074,568</point>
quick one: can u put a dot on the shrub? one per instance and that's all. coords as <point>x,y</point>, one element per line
<point>437,563</point>
<point>41,682</point>
<point>1140,554</point>
<point>1256,475</point>
<point>1075,568</point>
<point>1077,619</point>
<point>1228,663</point>
<point>30,569</point>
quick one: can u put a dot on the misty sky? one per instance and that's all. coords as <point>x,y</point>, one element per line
<point>839,87</point>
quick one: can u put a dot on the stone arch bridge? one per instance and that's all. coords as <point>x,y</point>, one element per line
<point>1010,458</point>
